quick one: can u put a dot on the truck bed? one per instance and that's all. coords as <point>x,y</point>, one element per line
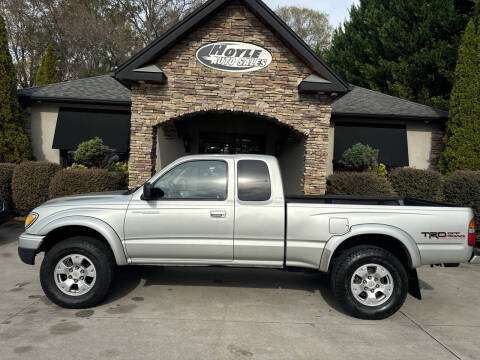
<point>363,200</point>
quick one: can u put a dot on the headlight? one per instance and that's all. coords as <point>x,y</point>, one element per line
<point>31,218</point>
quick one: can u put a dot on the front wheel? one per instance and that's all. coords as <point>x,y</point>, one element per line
<point>369,282</point>
<point>77,272</point>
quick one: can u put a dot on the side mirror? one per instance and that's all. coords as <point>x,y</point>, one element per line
<point>151,193</point>
<point>147,191</point>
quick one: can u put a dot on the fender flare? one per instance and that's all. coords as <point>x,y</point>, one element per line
<point>372,229</point>
<point>95,224</point>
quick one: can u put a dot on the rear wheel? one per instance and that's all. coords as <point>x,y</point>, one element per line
<point>77,272</point>
<point>369,282</point>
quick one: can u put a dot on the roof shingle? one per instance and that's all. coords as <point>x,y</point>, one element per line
<point>98,89</point>
<point>359,102</point>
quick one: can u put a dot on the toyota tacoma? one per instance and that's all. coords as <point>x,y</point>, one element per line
<point>230,210</point>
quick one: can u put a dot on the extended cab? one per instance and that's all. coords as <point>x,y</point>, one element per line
<point>230,210</point>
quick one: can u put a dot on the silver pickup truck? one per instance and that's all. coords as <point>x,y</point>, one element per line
<point>230,210</point>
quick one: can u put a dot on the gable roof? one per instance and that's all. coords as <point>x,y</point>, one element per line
<point>127,71</point>
<point>361,102</point>
<point>93,90</point>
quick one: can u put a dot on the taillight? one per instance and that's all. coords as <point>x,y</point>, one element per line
<point>471,233</point>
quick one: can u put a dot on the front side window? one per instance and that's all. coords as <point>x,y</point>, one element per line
<point>195,180</point>
<point>253,181</point>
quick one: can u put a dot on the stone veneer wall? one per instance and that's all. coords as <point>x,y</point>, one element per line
<point>193,88</point>
<point>436,146</point>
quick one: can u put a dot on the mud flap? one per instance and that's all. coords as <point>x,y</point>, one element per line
<point>414,284</point>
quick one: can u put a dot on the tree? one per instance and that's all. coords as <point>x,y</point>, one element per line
<point>403,48</point>
<point>462,149</point>
<point>14,142</point>
<point>93,153</point>
<point>151,18</point>
<point>312,26</point>
<point>47,72</point>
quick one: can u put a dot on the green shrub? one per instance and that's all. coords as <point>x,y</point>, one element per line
<point>359,158</point>
<point>82,181</point>
<point>415,183</point>
<point>358,183</point>
<point>6,174</point>
<point>120,168</point>
<point>463,188</point>
<point>93,153</point>
<point>30,184</point>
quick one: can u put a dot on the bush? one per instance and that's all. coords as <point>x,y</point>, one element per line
<point>120,168</point>
<point>82,181</point>
<point>420,184</point>
<point>355,183</point>
<point>30,184</point>
<point>93,153</point>
<point>359,158</point>
<point>6,174</point>
<point>463,188</point>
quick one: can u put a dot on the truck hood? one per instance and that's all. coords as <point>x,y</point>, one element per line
<point>104,198</point>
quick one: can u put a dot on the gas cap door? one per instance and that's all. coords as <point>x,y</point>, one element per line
<point>339,226</point>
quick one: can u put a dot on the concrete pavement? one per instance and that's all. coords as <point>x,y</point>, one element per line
<point>217,313</point>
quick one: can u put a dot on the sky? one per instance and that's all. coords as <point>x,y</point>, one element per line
<point>336,9</point>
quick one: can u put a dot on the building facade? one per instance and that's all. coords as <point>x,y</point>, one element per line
<point>231,78</point>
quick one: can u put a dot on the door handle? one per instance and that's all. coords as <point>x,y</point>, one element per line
<point>218,214</point>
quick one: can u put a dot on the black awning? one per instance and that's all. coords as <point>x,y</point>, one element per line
<point>77,125</point>
<point>390,140</point>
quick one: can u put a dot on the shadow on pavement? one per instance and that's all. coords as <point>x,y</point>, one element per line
<point>128,278</point>
<point>10,231</point>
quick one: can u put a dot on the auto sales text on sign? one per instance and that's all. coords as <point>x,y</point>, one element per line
<point>234,56</point>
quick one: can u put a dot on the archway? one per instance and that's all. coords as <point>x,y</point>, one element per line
<point>228,132</point>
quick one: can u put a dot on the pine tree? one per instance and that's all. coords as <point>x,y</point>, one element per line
<point>14,142</point>
<point>462,149</point>
<point>404,48</point>
<point>47,72</point>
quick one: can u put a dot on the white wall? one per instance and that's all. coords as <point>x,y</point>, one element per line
<point>292,163</point>
<point>419,139</point>
<point>168,150</point>
<point>43,120</point>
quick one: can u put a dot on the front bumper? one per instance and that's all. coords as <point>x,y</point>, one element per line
<point>476,256</point>
<point>28,246</point>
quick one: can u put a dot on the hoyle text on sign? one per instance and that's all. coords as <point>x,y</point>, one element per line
<point>234,56</point>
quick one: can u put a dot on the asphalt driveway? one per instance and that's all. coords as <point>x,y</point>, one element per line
<point>216,313</point>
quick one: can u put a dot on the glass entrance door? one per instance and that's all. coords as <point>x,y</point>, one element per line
<point>222,143</point>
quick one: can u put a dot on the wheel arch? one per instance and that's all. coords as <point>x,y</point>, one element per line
<point>63,228</point>
<point>387,237</point>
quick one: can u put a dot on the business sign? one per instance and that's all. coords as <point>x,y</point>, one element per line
<point>234,56</point>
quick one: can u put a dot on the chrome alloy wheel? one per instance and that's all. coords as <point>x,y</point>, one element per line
<point>75,275</point>
<point>372,285</point>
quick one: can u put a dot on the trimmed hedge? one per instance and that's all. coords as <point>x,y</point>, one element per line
<point>82,181</point>
<point>420,184</point>
<point>463,188</point>
<point>6,174</point>
<point>30,184</point>
<point>359,183</point>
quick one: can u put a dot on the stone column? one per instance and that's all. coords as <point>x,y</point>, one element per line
<point>141,163</point>
<point>316,153</point>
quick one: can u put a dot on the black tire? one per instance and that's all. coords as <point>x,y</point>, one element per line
<point>100,255</point>
<point>344,268</point>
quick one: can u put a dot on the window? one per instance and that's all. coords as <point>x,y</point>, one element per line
<point>195,180</point>
<point>253,181</point>
<point>390,140</point>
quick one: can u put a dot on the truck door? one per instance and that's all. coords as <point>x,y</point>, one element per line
<point>190,221</point>
<point>259,215</point>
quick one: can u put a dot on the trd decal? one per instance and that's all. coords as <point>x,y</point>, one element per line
<point>443,235</point>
